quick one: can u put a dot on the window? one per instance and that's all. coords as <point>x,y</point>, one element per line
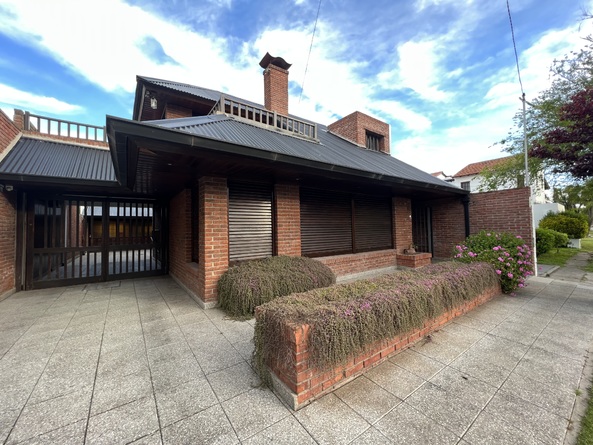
<point>465,186</point>
<point>335,223</point>
<point>374,141</point>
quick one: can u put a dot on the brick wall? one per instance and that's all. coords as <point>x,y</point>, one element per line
<point>502,211</point>
<point>276,89</point>
<point>354,126</point>
<point>8,132</point>
<point>180,265</point>
<point>173,111</point>
<point>359,262</point>
<point>402,224</point>
<point>448,226</point>
<point>214,235</point>
<point>288,219</point>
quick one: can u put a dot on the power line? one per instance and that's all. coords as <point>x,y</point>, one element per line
<point>515,47</point>
<point>310,49</point>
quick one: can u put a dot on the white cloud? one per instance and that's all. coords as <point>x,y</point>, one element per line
<point>11,97</point>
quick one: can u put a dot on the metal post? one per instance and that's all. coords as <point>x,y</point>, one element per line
<point>528,184</point>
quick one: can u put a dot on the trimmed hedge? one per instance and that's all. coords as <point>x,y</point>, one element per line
<point>244,287</point>
<point>547,239</point>
<point>345,319</point>
<point>576,226</point>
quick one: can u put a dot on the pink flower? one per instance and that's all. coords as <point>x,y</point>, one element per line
<point>500,259</point>
<point>496,248</point>
<point>498,271</point>
<point>519,237</point>
<point>521,285</point>
<point>510,275</point>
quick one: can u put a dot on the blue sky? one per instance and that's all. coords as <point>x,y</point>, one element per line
<point>440,72</point>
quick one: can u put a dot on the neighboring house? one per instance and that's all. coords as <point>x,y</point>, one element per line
<point>468,178</point>
<point>199,180</point>
<point>443,176</point>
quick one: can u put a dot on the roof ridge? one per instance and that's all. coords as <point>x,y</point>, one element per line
<point>49,138</point>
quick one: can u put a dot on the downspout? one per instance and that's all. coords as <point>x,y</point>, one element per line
<point>465,202</point>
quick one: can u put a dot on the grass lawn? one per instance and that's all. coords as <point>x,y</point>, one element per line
<point>586,433</point>
<point>559,258</point>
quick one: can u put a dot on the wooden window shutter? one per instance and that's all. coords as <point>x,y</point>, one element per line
<point>326,222</point>
<point>250,221</point>
<point>372,223</point>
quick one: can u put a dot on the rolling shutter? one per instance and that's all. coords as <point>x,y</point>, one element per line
<point>250,221</point>
<point>326,222</point>
<point>372,223</point>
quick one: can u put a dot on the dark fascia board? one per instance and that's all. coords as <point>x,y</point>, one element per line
<point>54,180</point>
<point>120,129</point>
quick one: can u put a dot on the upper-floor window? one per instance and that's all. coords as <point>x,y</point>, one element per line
<point>465,185</point>
<point>374,141</point>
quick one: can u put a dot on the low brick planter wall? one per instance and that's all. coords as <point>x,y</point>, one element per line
<point>299,384</point>
<point>359,262</point>
<point>413,260</point>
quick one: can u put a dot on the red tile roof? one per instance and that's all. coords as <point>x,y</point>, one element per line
<point>477,167</point>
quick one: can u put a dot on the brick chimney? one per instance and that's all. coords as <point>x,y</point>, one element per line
<point>363,130</point>
<point>275,83</point>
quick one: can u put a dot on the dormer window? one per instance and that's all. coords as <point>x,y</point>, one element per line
<point>373,141</point>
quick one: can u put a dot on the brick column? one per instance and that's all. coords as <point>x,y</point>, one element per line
<point>214,235</point>
<point>288,219</point>
<point>7,243</point>
<point>402,224</point>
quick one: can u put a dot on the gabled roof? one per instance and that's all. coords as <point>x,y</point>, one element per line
<point>477,167</point>
<point>331,150</point>
<point>56,161</point>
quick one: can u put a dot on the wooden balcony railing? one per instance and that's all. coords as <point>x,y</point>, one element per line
<point>59,127</point>
<point>296,127</point>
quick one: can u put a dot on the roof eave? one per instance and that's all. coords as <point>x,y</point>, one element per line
<point>121,131</point>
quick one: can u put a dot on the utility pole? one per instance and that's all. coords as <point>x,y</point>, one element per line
<point>528,182</point>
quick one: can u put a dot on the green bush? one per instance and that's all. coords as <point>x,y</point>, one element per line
<point>507,253</point>
<point>560,239</point>
<point>244,287</point>
<point>575,227</point>
<point>545,240</point>
<point>347,318</point>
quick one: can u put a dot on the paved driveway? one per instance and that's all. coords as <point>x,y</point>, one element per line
<point>140,362</point>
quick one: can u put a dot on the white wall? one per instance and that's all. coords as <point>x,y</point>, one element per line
<point>540,210</point>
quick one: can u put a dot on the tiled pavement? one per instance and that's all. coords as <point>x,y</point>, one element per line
<point>139,362</point>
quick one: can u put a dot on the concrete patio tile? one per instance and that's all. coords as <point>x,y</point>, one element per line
<point>254,411</point>
<point>208,427</point>
<point>524,334</point>
<point>465,335</point>
<point>551,369</point>
<point>232,381</point>
<point>72,361</point>
<point>72,434</point>
<point>572,349</point>
<point>245,349</point>
<point>474,323</point>
<point>151,439</point>
<point>464,387</point>
<point>505,352</point>
<point>184,400</point>
<point>372,436</point>
<point>123,424</point>
<point>7,419</point>
<point>550,398</point>
<point>215,354</point>
<point>367,398</point>
<point>196,333</point>
<point>48,339</point>
<point>183,318</point>
<point>531,419</point>
<point>444,407</point>
<point>52,385</point>
<point>121,362</point>
<point>171,352</point>
<point>490,430</point>
<point>443,346</point>
<point>419,364</point>
<point>112,392</point>
<point>409,426</point>
<point>331,421</point>
<point>13,396</point>
<point>482,366</point>
<point>285,432</point>
<point>171,374</point>
<point>396,380</point>
<point>162,338</point>
<point>40,418</point>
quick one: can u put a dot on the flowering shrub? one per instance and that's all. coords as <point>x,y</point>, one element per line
<point>508,253</point>
<point>347,318</point>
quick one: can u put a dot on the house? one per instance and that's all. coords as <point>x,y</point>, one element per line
<point>469,178</point>
<point>199,180</point>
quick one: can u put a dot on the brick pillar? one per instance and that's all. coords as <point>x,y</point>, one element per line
<point>288,219</point>
<point>7,243</point>
<point>276,89</point>
<point>214,235</point>
<point>402,224</point>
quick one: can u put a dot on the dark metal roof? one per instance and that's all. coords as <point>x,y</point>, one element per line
<point>330,150</point>
<point>57,160</point>
<point>204,93</point>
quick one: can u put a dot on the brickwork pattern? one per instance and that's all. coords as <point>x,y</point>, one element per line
<point>288,219</point>
<point>173,111</point>
<point>276,89</point>
<point>307,383</point>
<point>359,262</point>
<point>8,131</point>
<point>413,261</point>
<point>214,235</point>
<point>7,242</point>
<point>354,126</point>
<point>402,223</point>
<point>448,226</point>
